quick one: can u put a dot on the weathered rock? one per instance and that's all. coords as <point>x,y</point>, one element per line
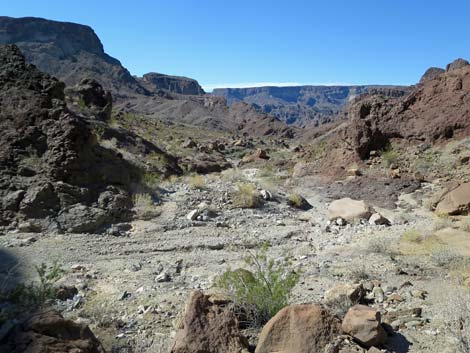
<point>353,293</point>
<point>457,64</point>
<point>189,143</point>
<point>83,219</point>
<point>348,209</point>
<point>49,332</point>
<point>456,201</point>
<point>208,328</point>
<point>378,219</point>
<point>306,328</point>
<point>92,98</point>
<point>363,324</point>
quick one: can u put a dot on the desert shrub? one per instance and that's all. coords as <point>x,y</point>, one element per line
<point>389,156</point>
<point>142,199</point>
<point>412,236</point>
<point>465,224</point>
<point>380,245</point>
<point>444,257</point>
<point>295,200</point>
<point>197,182</point>
<point>37,294</point>
<point>359,273</point>
<point>247,196</point>
<point>260,293</point>
<point>233,175</point>
<point>150,179</point>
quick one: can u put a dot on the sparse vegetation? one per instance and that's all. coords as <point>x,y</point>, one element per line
<point>389,156</point>
<point>37,294</point>
<point>197,182</point>
<point>359,273</point>
<point>142,200</point>
<point>412,236</point>
<point>444,257</point>
<point>247,196</point>
<point>442,222</point>
<point>295,200</point>
<point>259,294</point>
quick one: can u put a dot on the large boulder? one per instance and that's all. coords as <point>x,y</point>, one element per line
<point>208,327</point>
<point>456,201</point>
<point>306,328</point>
<point>49,332</point>
<point>349,210</point>
<point>363,324</point>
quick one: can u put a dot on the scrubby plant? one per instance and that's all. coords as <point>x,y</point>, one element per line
<point>142,199</point>
<point>197,182</point>
<point>247,196</point>
<point>379,246</point>
<point>412,236</point>
<point>389,156</point>
<point>296,200</point>
<point>260,293</point>
<point>37,294</point>
<point>444,257</point>
<point>359,273</point>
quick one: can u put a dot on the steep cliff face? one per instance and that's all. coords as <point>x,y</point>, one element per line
<point>176,84</point>
<point>68,51</point>
<point>304,105</point>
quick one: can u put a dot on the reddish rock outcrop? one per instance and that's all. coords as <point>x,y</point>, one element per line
<point>208,327</point>
<point>437,109</point>
<point>306,328</point>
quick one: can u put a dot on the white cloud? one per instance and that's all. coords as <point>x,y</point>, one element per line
<point>210,86</point>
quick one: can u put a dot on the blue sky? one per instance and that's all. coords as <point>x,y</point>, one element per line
<point>253,42</point>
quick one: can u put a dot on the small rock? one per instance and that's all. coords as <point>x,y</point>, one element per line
<point>163,277</point>
<point>192,216</point>
<point>378,219</point>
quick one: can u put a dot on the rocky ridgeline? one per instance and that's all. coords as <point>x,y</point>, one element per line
<point>54,174</point>
<point>437,109</point>
<point>304,105</point>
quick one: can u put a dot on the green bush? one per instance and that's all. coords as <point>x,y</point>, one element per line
<point>260,293</point>
<point>389,157</point>
<point>36,295</point>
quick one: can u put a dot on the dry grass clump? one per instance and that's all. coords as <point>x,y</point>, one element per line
<point>197,182</point>
<point>144,206</point>
<point>379,245</point>
<point>247,196</point>
<point>442,222</point>
<point>142,199</point>
<point>233,175</point>
<point>296,200</point>
<point>413,236</point>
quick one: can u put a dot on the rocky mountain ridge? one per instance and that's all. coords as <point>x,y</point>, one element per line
<point>73,52</point>
<point>304,105</point>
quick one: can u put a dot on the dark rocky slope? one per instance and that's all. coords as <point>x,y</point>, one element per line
<point>53,171</point>
<point>304,105</point>
<point>72,52</point>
